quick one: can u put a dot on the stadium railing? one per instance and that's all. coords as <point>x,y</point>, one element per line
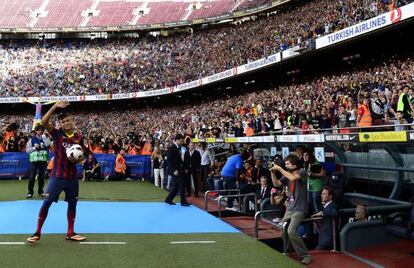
<point>224,195</point>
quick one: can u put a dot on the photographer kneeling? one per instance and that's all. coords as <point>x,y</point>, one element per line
<point>91,169</point>
<point>295,179</point>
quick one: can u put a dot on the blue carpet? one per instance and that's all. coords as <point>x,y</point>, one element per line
<point>20,217</point>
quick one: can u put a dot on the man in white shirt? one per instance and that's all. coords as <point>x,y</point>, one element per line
<point>206,161</point>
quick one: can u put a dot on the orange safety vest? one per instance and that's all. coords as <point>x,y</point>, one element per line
<point>2,150</point>
<point>97,150</point>
<point>120,164</point>
<point>8,135</point>
<point>147,149</point>
<point>365,116</point>
<point>132,150</point>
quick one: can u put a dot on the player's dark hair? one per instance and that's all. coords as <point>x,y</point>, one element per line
<point>39,127</point>
<point>62,115</point>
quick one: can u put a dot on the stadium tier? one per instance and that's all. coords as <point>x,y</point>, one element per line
<point>120,66</point>
<point>92,13</point>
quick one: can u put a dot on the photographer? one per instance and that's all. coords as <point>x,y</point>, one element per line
<point>295,179</point>
<point>95,142</point>
<point>10,131</point>
<point>2,149</point>
<point>133,142</point>
<point>37,147</point>
<point>12,145</point>
<point>91,169</point>
<point>277,193</point>
<point>112,147</point>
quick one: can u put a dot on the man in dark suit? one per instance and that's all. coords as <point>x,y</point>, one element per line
<point>194,165</point>
<point>263,191</point>
<point>176,169</point>
<point>328,213</point>
<point>260,171</point>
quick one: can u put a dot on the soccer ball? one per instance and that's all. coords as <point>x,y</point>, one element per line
<point>75,152</point>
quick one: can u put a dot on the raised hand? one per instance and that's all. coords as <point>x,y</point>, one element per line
<point>61,104</point>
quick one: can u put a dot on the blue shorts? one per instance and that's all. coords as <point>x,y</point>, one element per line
<point>57,185</point>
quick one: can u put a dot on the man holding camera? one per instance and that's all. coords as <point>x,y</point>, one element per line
<point>295,179</point>
<point>37,147</point>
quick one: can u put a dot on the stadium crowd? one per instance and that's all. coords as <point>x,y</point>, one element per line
<point>380,93</point>
<point>52,68</point>
<point>369,96</point>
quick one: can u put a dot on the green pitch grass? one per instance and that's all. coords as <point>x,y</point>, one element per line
<point>136,191</point>
<point>140,250</point>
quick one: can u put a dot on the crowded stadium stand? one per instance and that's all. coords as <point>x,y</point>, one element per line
<point>155,63</point>
<point>286,113</point>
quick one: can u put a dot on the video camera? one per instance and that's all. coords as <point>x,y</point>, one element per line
<point>278,160</point>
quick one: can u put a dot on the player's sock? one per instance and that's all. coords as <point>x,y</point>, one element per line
<point>71,217</point>
<point>44,210</point>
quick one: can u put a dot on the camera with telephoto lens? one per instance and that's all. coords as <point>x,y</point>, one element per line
<point>278,160</point>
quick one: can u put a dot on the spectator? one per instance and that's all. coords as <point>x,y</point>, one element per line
<point>404,107</point>
<point>361,213</point>
<point>328,214</point>
<point>246,183</point>
<point>342,120</point>
<point>263,191</point>
<point>215,175</point>
<point>260,171</point>
<point>158,165</point>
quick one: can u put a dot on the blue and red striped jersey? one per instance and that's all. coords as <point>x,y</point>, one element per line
<point>62,167</point>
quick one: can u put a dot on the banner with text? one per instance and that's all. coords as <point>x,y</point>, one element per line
<point>378,22</point>
<point>14,165</point>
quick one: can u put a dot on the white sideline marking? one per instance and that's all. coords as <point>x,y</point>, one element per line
<point>192,242</point>
<point>102,243</point>
<point>12,243</point>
